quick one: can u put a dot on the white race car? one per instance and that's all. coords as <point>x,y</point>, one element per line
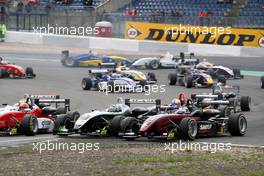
<point>166,61</point>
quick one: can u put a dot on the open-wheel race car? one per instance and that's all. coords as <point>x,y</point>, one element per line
<point>91,60</point>
<point>117,81</point>
<point>188,76</point>
<point>229,93</point>
<point>190,121</point>
<point>9,70</point>
<point>107,122</point>
<point>95,123</point>
<point>33,114</point>
<point>217,70</point>
<point>165,61</point>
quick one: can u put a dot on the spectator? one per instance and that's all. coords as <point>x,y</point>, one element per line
<point>134,12</point>
<point>28,7</point>
<point>20,7</point>
<point>2,32</point>
<point>88,2</point>
<point>127,12</point>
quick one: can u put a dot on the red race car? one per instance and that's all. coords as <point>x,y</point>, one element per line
<point>33,114</point>
<point>8,70</point>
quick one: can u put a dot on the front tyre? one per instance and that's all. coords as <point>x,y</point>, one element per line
<point>188,129</point>
<point>86,83</point>
<point>172,79</point>
<point>154,65</point>
<point>245,103</point>
<point>237,125</point>
<point>29,125</point>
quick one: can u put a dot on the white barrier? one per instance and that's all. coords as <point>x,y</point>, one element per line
<point>130,45</point>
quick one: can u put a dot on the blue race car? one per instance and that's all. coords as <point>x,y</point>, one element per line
<point>92,60</point>
<point>106,80</point>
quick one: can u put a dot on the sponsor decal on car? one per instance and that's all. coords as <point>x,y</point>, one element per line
<point>194,34</point>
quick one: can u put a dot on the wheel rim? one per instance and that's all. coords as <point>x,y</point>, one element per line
<point>192,129</point>
<point>242,124</point>
<point>69,62</point>
<point>155,65</point>
<point>34,125</point>
<point>83,84</point>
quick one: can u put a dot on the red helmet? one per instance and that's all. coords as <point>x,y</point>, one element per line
<point>23,105</point>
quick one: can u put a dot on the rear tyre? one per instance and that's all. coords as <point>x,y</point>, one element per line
<point>172,79</point>
<point>262,82</point>
<point>189,82</point>
<point>188,129</point>
<point>237,125</point>
<point>111,87</point>
<point>70,62</point>
<point>237,73</point>
<point>115,123</point>
<point>152,77</point>
<point>222,79</point>
<point>30,72</point>
<point>154,65</point>
<point>29,125</point>
<point>245,103</point>
<point>3,73</point>
<point>129,124</point>
<point>86,83</point>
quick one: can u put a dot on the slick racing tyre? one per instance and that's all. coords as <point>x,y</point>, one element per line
<point>154,65</point>
<point>188,129</point>
<point>86,83</point>
<point>115,123</point>
<point>222,79</point>
<point>70,62</point>
<point>188,81</point>
<point>29,125</point>
<point>172,79</point>
<point>130,124</point>
<point>245,103</point>
<point>262,82</point>
<point>237,125</point>
<point>151,77</point>
<point>111,87</point>
<point>30,72</point>
<point>3,73</point>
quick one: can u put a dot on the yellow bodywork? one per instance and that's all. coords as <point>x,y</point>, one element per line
<point>137,75</point>
<point>91,62</point>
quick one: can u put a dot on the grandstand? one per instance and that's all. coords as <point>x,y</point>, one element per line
<point>235,13</point>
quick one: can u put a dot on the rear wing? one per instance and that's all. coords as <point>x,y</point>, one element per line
<point>156,102</point>
<point>54,99</point>
<point>65,54</point>
<point>99,71</point>
<point>226,87</point>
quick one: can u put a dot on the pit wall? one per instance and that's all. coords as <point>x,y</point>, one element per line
<point>131,45</point>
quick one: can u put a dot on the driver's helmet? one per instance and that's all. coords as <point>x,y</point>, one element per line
<point>115,108</point>
<point>23,105</point>
<point>176,103</point>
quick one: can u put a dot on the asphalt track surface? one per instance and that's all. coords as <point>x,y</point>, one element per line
<point>53,78</point>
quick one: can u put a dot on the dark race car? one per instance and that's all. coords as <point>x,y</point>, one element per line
<point>33,114</point>
<point>189,77</point>
<point>91,60</point>
<point>8,70</point>
<point>190,122</point>
<point>229,93</point>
